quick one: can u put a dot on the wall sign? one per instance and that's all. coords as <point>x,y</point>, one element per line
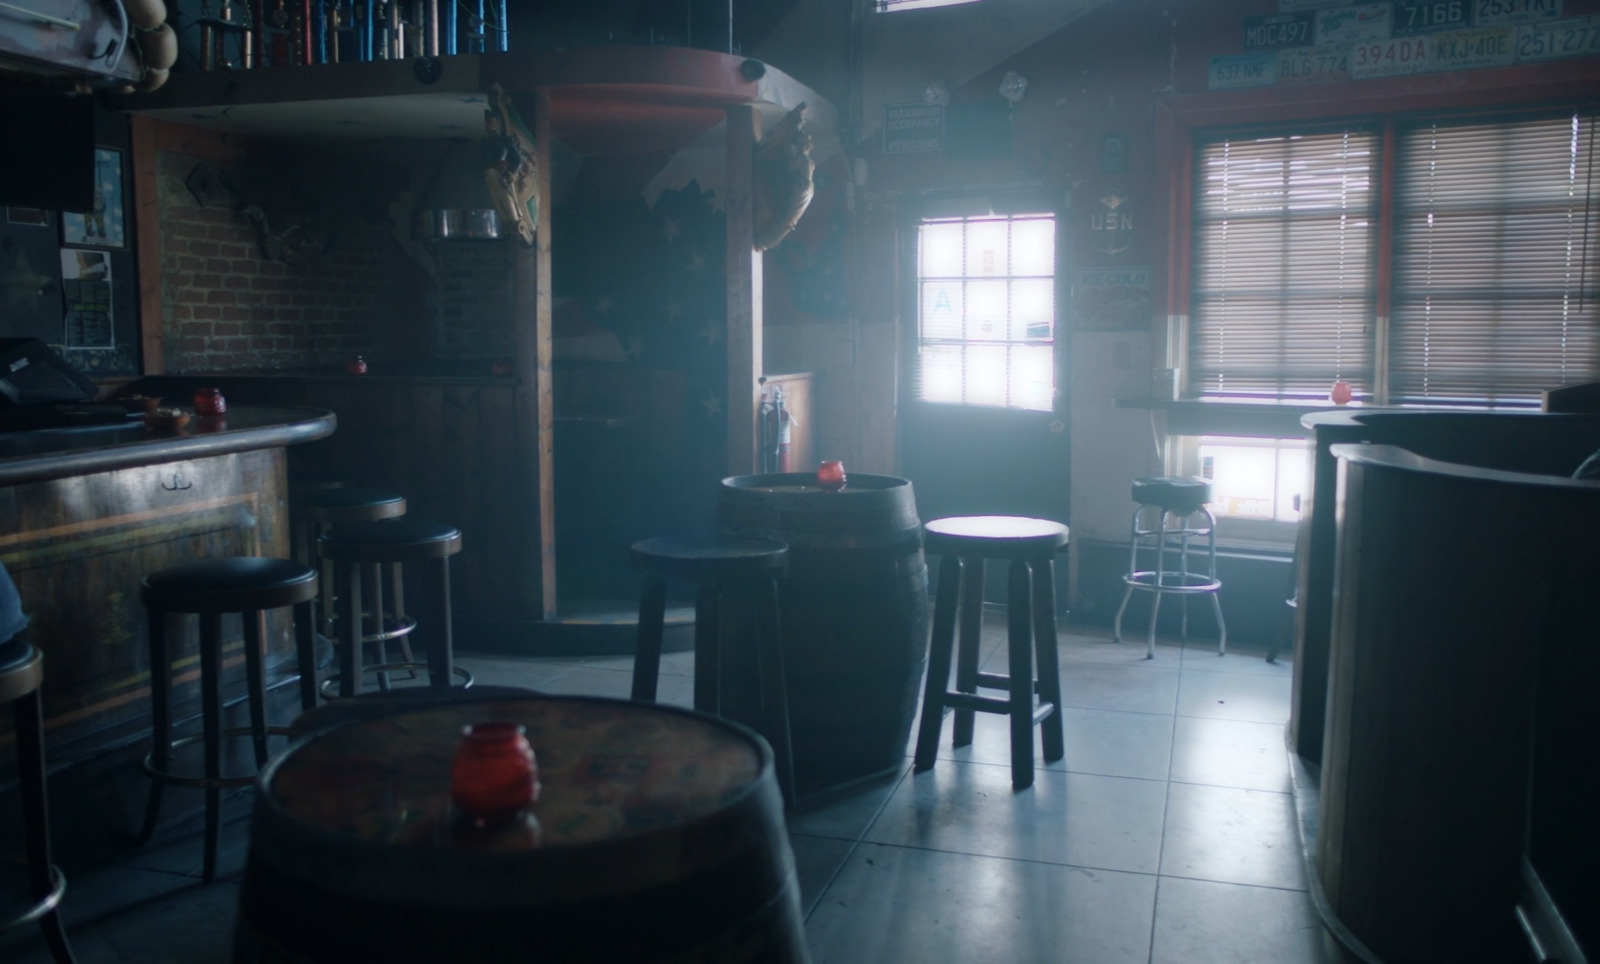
<point>1284,30</point>
<point>1114,298</point>
<point>913,128</point>
<point>1111,222</point>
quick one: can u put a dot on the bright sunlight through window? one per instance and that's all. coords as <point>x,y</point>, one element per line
<point>986,311</point>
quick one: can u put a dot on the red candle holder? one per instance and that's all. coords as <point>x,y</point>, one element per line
<point>830,475</point>
<point>1340,394</point>
<point>209,403</point>
<point>494,776</point>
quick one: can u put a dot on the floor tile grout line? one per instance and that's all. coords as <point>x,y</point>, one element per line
<point>1017,860</point>
<point>1166,805</point>
<point>855,845</point>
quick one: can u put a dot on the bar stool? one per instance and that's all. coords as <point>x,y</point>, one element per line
<point>727,572</point>
<point>323,504</point>
<point>966,542</point>
<point>1178,500</point>
<point>21,675</point>
<point>353,547</point>
<point>248,585</point>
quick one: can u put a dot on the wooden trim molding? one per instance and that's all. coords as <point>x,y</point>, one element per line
<point>147,245</point>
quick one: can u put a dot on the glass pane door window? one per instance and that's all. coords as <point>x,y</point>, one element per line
<point>986,311</point>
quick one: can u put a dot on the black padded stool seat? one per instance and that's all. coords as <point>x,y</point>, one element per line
<point>354,546</point>
<point>248,585</point>
<point>729,570</point>
<point>1171,492</point>
<point>390,540</point>
<point>230,585</point>
<point>21,675</point>
<point>349,503</point>
<point>1030,546</point>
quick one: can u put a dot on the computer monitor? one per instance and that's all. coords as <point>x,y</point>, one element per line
<point>32,373</point>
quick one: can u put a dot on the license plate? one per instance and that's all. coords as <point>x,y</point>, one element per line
<point>1389,58</point>
<point>1466,49</point>
<point>1553,41</point>
<point>1243,70</point>
<point>1488,13</point>
<point>1284,30</point>
<point>1425,16</point>
<point>1313,65</point>
<point>1347,25</point>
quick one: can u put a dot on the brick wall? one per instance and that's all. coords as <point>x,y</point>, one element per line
<point>473,301</point>
<point>231,308</point>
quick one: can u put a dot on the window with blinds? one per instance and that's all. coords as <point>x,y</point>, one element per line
<point>986,311</point>
<point>1282,276</point>
<point>1497,228</point>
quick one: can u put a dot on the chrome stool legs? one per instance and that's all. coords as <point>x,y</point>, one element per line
<point>1173,532</point>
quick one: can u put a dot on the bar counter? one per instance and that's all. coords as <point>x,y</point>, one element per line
<point>53,453</point>
<point>85,513</point>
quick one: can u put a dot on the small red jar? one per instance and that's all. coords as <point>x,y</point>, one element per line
<point>830,475</point>
<point>208,402</point>
<point>494,775</point>
<point>356,365</point>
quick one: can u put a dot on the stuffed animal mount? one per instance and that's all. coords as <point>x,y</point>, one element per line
<point>783,180</point>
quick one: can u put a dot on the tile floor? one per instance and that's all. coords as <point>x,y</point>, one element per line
<point>1166,835</point>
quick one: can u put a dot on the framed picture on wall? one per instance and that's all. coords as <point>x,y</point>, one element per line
<point>105,224</point>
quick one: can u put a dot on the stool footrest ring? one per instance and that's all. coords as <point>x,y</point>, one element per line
<point>45,905</point>
<point>1192,582</point>
<point>206,783</point>
<point>328,686</point>
<point>405,628</point>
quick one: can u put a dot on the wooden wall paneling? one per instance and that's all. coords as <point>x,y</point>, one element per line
<point>744,291</point>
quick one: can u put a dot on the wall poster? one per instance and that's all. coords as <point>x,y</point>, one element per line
<point>86,289</point>
<point>104,224</point>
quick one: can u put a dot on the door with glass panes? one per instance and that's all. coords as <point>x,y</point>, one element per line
<point>983,419</point>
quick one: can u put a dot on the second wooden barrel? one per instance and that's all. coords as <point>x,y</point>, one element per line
<point>854,615</point>
<point>658,837</point>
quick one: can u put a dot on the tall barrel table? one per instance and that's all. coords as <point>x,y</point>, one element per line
<point>658,837</point>
<point>853,613</point>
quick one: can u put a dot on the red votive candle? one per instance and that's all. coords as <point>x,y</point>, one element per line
<point>209,403</point>
<point>830,475</point>
<point>494,775</point>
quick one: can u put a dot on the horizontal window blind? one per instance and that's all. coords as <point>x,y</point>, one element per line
<point>1496,237</point>
<point>1282,281</point>
<point>986,311</point>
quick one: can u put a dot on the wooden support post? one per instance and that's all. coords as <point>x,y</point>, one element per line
<point>744,291</point>
<point>531,326</point>
<point>147,244</point>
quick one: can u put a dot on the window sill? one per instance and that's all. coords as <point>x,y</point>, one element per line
<point>1256,418</point>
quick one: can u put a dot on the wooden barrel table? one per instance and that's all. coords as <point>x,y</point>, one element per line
<point>853,613</point>
<point>658,837</point>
